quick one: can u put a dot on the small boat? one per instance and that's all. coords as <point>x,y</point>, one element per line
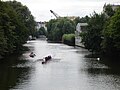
<point>48,58</point>
<point>32,54</point>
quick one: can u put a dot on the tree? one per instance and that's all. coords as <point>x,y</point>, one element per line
<point>111,42</point>
<point>81,20</point>
<point>23,21</point>
<point>3,42</point>
<point>25,16</point>
<point>57,27</point>
<point>92,38</point>
<point>109,11</point>
<point>7,14</point>
<point>42,31</point>
<point>15,26</point>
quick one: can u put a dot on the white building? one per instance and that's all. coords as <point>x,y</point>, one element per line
<point>114,7</point>
<point>81,27</point>
<point>41,24</point>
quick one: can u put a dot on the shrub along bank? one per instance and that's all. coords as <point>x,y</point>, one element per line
<point>69,39</point>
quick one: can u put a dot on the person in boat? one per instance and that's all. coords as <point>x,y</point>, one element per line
<point>46,59</point>
<point>49,57</point>
<point>32,54</point>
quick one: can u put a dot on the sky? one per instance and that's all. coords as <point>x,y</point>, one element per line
<point>40,9</point>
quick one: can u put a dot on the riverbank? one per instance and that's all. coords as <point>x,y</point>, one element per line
<point>16,52</point>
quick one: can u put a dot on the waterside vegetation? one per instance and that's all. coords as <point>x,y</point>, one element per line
<point>102,35</point>
<point>16,24</point>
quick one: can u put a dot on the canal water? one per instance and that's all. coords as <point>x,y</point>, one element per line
<point>69,69</point>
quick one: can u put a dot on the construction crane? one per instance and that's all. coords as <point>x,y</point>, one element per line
<point>55,14</point>
<point>59,17</point>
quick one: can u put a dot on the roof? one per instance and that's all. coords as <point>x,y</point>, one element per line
<point>83,24</point>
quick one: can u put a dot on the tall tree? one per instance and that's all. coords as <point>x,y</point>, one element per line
<point>7,14</point>
<point>25,24</point>
<point>111,42</point>
<point>14,29</point>
<point>25,16</point>
<point>58,27</point>
<point>42,31</point>
<point>92,38</point>
<point>109,10</point>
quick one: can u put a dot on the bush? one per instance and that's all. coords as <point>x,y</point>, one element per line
<point>56,28</point>
<point>69,39</point>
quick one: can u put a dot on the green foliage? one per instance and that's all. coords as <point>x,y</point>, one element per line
<point>81,20</point>
<point>103,33</point>
<point>42,31</point>
<point>7,26</point>
<point>92,38</point>
<point>83,37</point>
<point>57,27</point>
<point>14,29</point>
<point>69,39</point>
<point>111,42</point>
<point>25,16</point>
<point>3,42</point>
<point>109,11</point>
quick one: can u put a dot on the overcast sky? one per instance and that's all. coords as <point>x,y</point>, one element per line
<point>40,9</point>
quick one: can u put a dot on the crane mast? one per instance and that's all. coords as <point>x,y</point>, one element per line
<point>55,14</point>
<point>59,17</point>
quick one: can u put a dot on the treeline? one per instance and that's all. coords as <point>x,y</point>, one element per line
<point>102,35</point>
<point>16,24</point>
<point>56,28</point>
<point>103,32</point>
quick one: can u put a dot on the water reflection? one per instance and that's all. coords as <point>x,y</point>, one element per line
<point>69,70</point>
<point>11,73</point>
<point>103,66</point>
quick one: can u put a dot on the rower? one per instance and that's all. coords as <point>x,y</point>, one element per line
<point>32,54</point>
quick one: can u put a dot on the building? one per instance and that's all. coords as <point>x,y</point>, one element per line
<point>41,24</point>
<point>81,27</point>
<point>71,17</point>
<point>114,7</point>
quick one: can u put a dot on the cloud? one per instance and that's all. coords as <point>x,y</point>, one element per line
<point>40,8</point>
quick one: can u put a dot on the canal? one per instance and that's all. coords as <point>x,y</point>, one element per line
<point>69,69</point>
